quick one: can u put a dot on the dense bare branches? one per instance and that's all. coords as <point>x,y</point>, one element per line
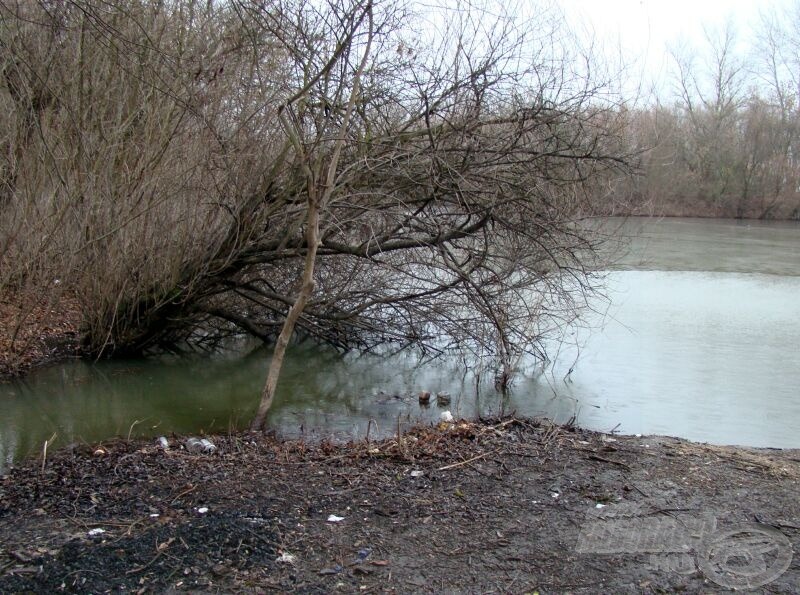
<point>130,158</point>
<point>189,168</point>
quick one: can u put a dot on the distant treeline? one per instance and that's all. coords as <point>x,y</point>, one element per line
<point>727,161</point>
<point>724,140</point>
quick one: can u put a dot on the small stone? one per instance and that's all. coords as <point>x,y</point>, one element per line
<point>334,570</point>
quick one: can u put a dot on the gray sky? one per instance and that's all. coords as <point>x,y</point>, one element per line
<point>644,29</point>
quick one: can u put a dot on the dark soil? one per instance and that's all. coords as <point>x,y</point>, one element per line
<point>501,506</point>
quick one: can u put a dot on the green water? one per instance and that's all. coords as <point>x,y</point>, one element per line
<point>702,340</point>
<point>321,393</point>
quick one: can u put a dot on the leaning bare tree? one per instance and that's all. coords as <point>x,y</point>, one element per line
<point>359,174</point>
<point>444,190</point>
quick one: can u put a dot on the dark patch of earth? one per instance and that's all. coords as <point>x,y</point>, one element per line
<point>510,506</point>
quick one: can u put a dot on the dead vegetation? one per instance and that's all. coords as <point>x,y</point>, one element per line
<point>34,330</point>
<point>494,505</point>
<point>165,163</point>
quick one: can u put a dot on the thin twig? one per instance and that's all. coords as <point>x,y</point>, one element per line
<point>184,492</point>
<point>44,449</point>
<point>130,429</point>
<point>454,465</point>
<point>605,460</point>
<point>369,423</point>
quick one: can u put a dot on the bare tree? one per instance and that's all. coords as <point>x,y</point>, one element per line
<point>452,222</point>
<point>314,170</point>
<point>725,147</point>
<point>777,51</point>
<point>320,178</point>
<point>710,97</point>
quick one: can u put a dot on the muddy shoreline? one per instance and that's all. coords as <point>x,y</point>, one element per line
<point>509,506</point>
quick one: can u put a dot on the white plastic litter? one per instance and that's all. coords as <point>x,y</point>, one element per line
<point>96,532</point>
<point>332,518</point>
<point>417,473</point>
<point>286,558</point>
<point>446,417</point>
<point>198,445</point>
<point>202,509</point>
<point>600,506</point>
<point>163,442</point>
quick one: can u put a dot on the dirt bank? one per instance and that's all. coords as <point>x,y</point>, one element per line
<point>36,330</point>
<point>498,506</point>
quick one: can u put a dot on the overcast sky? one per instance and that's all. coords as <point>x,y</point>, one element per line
<point>644,29</point>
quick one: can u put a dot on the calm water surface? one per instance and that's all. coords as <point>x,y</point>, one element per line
<point>702,340</point>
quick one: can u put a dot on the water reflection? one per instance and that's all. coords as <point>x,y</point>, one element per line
<point>701,341</point>
<point>714,245</point>
<point>320,391</point>
<point>707,356</point>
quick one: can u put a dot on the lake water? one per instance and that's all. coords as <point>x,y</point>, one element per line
<point>701,340</point>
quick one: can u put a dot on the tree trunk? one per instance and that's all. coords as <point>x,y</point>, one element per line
<point>320,190</point>
<point>306,289</point>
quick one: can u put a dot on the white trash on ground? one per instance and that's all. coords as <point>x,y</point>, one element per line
<point>200,445</point>
<point>286,558</point>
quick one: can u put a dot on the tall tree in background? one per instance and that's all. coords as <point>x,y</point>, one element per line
<point>710,97</point>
